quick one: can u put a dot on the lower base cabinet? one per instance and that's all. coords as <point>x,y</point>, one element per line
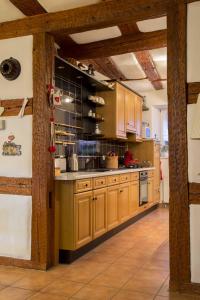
<point>87,215</point>
<point>123,202</point>
<point>134,198</point>
<point>151,190</point>
<point>99,212</point>
<point>112,207</point>
<point>83,218</point>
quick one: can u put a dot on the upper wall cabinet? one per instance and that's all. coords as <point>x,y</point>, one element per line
<point>122,113</point>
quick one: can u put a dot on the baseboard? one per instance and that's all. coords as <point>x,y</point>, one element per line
<point>68,256</point>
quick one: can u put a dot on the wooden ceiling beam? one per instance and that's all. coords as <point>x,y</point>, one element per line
<point>29,7</point>
<point>120,45</point>
<point>100,15</point>
<point>107,67</point>
<point>148,66</point>
<point>193,92</point>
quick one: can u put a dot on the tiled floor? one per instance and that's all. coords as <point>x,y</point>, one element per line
<point>133,265</point>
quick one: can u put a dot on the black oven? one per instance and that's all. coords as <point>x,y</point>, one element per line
<point>143,199</point>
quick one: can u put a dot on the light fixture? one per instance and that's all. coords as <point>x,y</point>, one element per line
<point>67,98</point>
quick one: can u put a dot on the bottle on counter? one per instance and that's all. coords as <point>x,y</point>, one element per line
<point>73,163</point>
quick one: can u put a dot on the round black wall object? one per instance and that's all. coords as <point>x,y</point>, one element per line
<point>10,68</point>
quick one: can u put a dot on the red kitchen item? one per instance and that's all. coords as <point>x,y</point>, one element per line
<point>128,159</point>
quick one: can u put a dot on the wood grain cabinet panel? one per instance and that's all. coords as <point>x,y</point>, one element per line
<point>112,207</point>
<point>151,190</point>
<point>83,185</point>
<point>121,112</point>
<point>99,212</point>
<point>133,198</point>
<point>114,179</point>
<point>83,218</point>
<point>99,182</point>
<point>125,178</point>
<point>138,117</point>
<point>130,111</point>
<point>134,176</point>
<point>123,202</point>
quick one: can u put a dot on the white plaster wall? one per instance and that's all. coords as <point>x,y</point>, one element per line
<point>195,242</point>
<point>16,211</point>
<point>153,100</point>
<point>15,226</point>
<point>193,75</point>
<point>17,166</point>
<point>20,48</point>
<point>193,149</point>
<point>193,42</point>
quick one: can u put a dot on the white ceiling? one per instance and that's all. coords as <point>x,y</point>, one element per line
<point>152,24</point>
<point>140,86</point>
<point>58,5</point>
<point>160,59</point>
<point>96,35</point>
<point>8,12</point>
<point>127,63</point>
<point>129,66</point>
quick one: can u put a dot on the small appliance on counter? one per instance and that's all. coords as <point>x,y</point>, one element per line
<point>146,131</point>
<point>73,163</point>
<point>60,165</point>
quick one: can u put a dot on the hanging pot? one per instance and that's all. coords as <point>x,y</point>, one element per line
<point>10,68</point>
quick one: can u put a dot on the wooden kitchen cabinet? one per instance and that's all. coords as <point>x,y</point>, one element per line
<point>134,198</point>
<point>112,207</point>
<point>151,193</point>
<point>120,110</point>
<point>138,117</point>
<point>123,202</point>
<point>130,111</point>
<point>99,212</point>
<point>83,218</point>
<point>122,113</point>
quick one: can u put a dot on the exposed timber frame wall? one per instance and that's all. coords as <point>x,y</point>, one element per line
<point>178,156</point>
<point>41,185</point>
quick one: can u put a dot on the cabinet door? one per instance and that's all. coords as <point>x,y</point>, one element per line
<point>99,212</point>
<point>112,207</point>
<point>138,117</point>
<point>83,218</point>
<point>120,110</point>
<point>130,111</point>
<point>123,202</point>
<point>150,190</point>
<point>134,198</point>
<point>157,173</point>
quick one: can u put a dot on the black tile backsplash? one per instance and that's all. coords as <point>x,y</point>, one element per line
<point>91,152</point>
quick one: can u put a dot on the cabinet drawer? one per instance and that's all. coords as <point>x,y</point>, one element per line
<point>134,176</point>
<point>114,179</point>
<point>99,182</point>
<point>150,173</point>
<point>125,178</point>
<point>83,185</point>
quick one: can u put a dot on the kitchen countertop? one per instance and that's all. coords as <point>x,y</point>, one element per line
<point>82,175</point>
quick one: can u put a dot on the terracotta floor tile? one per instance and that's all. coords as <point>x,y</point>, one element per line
<point>62,287</point>
<point>178,297</point>
<point>11,293</point>
<point>148,281</point>
<point>44,296</point>
<point>112,277</point>
<point>9,275</point>
<point>91,292</point>
<point>35,281</point>
<point>129,295</point>
<point>84,271</point>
